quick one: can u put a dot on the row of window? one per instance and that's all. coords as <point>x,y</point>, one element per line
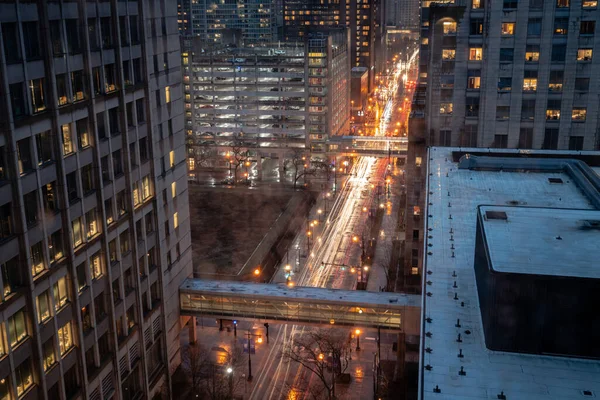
<point>468,138</point>
<point>530,82</point>
<point>534,27</point>
<point>65,36</point>
<point>553,112</point>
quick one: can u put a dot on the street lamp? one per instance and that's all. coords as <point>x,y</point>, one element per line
<point>357,333</point>
<point>230,375</point>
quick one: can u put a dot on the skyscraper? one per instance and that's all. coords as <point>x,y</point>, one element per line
<point>93,208</point>
<point>503,74</point>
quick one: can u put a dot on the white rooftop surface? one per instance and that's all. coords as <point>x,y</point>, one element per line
<point>298,293</point>
<point>488,373</point>
<point>526,243</point>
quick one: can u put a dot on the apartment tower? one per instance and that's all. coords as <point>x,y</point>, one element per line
<point>94,222</point>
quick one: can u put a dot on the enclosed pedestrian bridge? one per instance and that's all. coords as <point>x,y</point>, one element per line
<point>310,305</point>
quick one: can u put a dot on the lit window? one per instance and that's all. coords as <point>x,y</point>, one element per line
<point>414,270</point>
<point>96,266</point>
<point>508,28</point>
<point>48,355</point>
<point>474,82</point>
<point>449,28</point>
<point>584,55</point>
<point>191,163</point>
<point>579,114</point>
<point>43,307</point>
<point>416,210</point>
<point>38,102</point>
<point>425,41</point>
<point>589,3</point>
<point>136,195</point>
<point>17,328</point>
<point>68,147</point>
<point>562,3</point>
<point>174,189</point>
<point>65,339</point>
<point>448,54</point>
<point>24,377</point>
<point>167,94</point>
<point>553,115</point>
<point>530,84</point>
<point>175,220</point>
<point>475,54</point>
<point>37,259</point>
<point>532,56</point>
<point>477,4</point>
<point>418,161</point>
<point>60,293</point>
<point>446,108</point>
<point>172,158</point>
<point>146,187</point>
<point>77,232</point>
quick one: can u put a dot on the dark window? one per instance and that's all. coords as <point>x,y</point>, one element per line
<point>143,143</point>
<point>550,139</point>
<point>134,29</point>
<point>56,38</point>
<point>106,32</point>
<point>38,97</point>
<point>10,38</point>
<point>121,203</point>
<point>24,156</point>
<point>582,84</point>
<point>55,246</point>
<point>510,4</point>
<point>71,382</point>
<point>30,203</point>
<point>139,108</point>
<point>469,136</point>
<point>87,179</point>
<point>78,84</point>
<point>561,26</point>
<point>556,81</point>
<point>415,234</point>
<point>558,52</point>
<point>137,70</point>
<point>86,319</point>
<point>113,121</point>
<point>130,116</point>
<point>81,277</point>
<point>476,27</point>
<point>83,137</point>
<point>104,167</point>
<point>534,27</point>
<point>576,143</point>
<point>72,191</point>
<point>97,77</point>
<point>124,241</point>
<point>73,40</point>
<point>43,142</point>
<point>127,73</point>
<point>123,30</point>
<point>505,84</point>
<point>99,308</point>
<point>445,140</point>
<point>117,163</point>
<point>502,112</point>
<point>61,89</point>
<point>500,141</point>
<point>472,107</point>
<point>6,221</point>
<point>536,4</point>
<point>93,34</point>
<point>587,27</point>
<point>110,78</point>
<point>31,39</point>
<point>526,138</point>
<point>507,54</point>
<point>17,97</point>
<point>528,109</point>
<point>101,125</point>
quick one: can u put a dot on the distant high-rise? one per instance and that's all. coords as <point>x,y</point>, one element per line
<point>362,17</point>
<point>406,14</point>
<point>255,20</point>
<point>94,221</point>
<point>503,74</point>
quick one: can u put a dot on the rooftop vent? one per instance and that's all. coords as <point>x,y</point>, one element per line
<point>501,215</point>
<point>555,180</point>
<point>591,224</point>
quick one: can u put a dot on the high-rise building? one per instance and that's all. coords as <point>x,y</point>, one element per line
<point>362,17</point>
<point>275,97</point>
<point>94,219</point>
<point>503,74</point>
<point>406,14</point>
<point>254,21</point>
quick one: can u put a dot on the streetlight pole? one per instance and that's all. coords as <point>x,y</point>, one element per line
<point>357,332</point>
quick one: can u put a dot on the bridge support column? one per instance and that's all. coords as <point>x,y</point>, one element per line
<point>192,328</point>
<point>400,357</point>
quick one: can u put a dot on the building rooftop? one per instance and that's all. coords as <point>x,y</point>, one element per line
<point>542,241</point>
<point>450,300</point>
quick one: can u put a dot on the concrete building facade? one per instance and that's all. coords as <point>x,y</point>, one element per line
<point>501,74</point>
<point>273,98</point>
<point>94,208</point>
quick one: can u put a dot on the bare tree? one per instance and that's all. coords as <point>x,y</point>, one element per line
<point>324,352</point>
<point>238,155</point>
<point>300,165</point>
<point>208,377</point>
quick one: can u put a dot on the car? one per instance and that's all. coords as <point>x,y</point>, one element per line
<point>227,181</point>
